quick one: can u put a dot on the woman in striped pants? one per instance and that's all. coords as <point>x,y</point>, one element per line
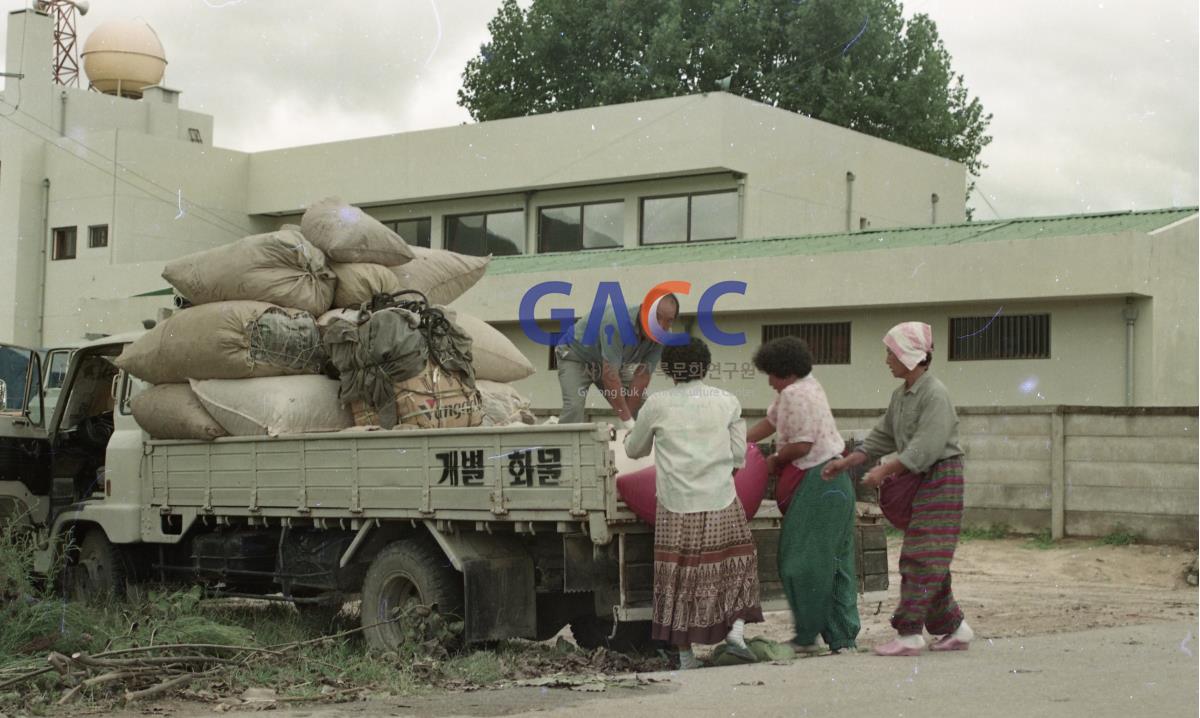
<point>921,429</point>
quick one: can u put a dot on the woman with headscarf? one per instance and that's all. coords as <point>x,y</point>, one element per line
<point>705,560</point>
<point>921,429</point>
<point>816,543</point>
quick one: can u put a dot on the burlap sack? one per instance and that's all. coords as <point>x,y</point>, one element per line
<point>226,340</point>
<point>434,399</point>
<point>494,357</point>
<point>273,406</point>
<point>503,404</point>
<point>281,268</point>
<point>357,283</point>
<point>347,234</point>
<point>173,411</point>
<point>440,275</point>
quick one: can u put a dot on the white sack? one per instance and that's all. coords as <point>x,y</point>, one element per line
<point>281,268</point>
<point>503,404</point>
<point>440,275</point>
<point>226,340</point>
<point>173,411</point>
<point>357,283</point>
<point>273,406</point>
<point>494,356</point>
<point>347,234</point>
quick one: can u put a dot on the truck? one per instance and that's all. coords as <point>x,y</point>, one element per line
<point>517,530</point>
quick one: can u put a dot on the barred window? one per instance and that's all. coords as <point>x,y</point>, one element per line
<point>1017,336</point>
<point>829,342</point>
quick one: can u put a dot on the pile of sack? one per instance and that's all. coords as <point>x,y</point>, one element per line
<point>337,323</point>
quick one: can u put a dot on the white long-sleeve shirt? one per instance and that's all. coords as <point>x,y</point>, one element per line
<point>699,438</point>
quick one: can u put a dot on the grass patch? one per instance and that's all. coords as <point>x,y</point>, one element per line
<point>1042,540</point>
<point>989,533</point>
<point>1119,536</point>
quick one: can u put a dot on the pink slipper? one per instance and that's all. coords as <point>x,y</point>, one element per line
<point>949,643</point>
<point>895,648</point>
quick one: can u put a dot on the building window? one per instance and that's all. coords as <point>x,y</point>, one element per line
<point>498,233</point>
<point>576,227</point>
<point>194,135</point>
<point>829,342</point>
<point>97,236</point>
<point>689,218</point>
<point>414,231</point>
<point>64,243</point>
<point>1017,336</point>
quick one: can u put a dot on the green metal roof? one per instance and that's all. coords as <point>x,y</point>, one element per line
<point>939,235</point>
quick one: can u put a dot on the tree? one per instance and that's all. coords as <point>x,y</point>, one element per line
<point>854,63</point>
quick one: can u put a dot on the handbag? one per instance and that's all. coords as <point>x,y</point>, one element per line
<point>896,495</point>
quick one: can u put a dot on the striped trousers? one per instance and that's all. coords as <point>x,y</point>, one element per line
<point>926,601</point>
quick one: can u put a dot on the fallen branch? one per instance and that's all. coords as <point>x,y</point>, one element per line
<point>90,682</point>
<point>26,676</point>
<point>187,646</point>
<point>165,686</point>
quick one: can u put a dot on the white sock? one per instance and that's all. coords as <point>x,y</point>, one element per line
<point>964,632</point>
<point>736,635</point>
<point>914,641</point>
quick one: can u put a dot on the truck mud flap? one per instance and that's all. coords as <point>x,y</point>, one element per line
<point>500,598</point>
<point>499,586</point>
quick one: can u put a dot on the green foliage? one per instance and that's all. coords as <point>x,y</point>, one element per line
<point>1042,540</point>
<point>855,63</point>
<point>1120,536</point>
<point>990,533</point>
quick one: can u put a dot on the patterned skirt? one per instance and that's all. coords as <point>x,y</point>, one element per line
<point>705,575</point>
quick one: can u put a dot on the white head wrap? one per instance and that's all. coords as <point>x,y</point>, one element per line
<point>911,342</point>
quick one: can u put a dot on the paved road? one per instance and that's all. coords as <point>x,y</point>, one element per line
<point>1125,672</point>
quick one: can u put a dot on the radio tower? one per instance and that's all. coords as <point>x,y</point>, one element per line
<point>66,52</point>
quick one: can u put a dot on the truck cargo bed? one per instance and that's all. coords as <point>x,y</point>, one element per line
<point>520,473</point>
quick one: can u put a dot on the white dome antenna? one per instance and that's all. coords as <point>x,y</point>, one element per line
<point>123,57</point>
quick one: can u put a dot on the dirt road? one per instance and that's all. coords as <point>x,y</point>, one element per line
<point>1079,629</point>
<point>1010,588</point>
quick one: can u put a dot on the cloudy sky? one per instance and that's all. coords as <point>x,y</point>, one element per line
<point>1094,102</point>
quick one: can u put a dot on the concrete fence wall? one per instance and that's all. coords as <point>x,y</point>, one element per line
<point>1077,471</point>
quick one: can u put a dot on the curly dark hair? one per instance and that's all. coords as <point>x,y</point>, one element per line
<point>785,356</point>
<point>687,362</point>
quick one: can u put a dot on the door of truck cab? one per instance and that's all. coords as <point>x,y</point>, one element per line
<point>22,393</point>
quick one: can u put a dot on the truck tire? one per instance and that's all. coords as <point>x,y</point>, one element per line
<point>593,632</point>
<point>99,570</point>
<point>409,570</point>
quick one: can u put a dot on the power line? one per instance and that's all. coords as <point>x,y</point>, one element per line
<point>220,222</point>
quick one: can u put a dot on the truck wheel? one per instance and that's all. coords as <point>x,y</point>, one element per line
<point>99,570</point>
<point>409,572</point>
<point>593,632</point>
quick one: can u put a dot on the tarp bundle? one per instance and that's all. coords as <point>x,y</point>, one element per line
<point>375,352</point>
<point>433,399</point>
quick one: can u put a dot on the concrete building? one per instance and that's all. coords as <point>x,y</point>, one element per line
<point>837,235</point>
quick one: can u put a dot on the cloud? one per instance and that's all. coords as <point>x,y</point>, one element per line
<point>1095,104</point>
